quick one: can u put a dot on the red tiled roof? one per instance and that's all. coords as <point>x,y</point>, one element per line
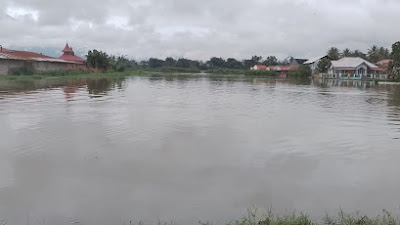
<point>379,69</point>
<point>383,62</point>
<point>286,68</point>
<point>264,67</point>
<point>69,55</point>
<point>67,49</point>
<point>72,58</point>
<point>28,56</point>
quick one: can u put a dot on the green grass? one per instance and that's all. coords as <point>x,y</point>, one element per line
<point>242,72</point>
<point>226,71</point>
<point>73,74</point>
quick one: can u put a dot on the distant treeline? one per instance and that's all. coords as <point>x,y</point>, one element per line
<point>214,63</point>
<point>374,54</point>
<point>101,61</point>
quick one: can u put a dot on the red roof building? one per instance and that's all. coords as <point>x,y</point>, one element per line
<point>259,67</point>
<point>13,60</point>
<point>69,55</point>
<point>286,68</point>
<point>384,64</point>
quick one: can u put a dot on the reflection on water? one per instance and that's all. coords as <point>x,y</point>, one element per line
<point>103,85</point>
<point>194,147</point>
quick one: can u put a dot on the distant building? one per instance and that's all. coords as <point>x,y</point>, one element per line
<point>313,63</point>
<point>13,60</point>
<point>355,68</point>
<point>384,63</point>
<point>283,70</point>
<point>297,61</point>
<point>259,67</point>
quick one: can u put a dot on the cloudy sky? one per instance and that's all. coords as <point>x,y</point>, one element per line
<point>200,29</point>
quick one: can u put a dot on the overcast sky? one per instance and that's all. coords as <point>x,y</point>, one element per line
<point>200,29</point>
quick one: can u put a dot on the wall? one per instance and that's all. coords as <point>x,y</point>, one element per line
<point>8,66</point>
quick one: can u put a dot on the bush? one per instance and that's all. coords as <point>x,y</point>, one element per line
<point>261,72</point>
<point>27,69</point>
<point>170,69</point>
<point>302,71</point>
<point>226,71</point>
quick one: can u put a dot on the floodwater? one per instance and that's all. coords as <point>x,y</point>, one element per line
<point>190,148</point>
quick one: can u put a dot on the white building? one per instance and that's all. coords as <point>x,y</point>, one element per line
<point>355,68</point>
<point>313,63</point>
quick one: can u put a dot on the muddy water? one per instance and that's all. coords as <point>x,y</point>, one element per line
<point>190,148</point>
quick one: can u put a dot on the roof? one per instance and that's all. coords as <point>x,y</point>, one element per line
<point>69,55</point>
<point>352,63</point>
<point>261,66</point>
<point>300,61</point>
<point>72,58</point>
<point>67,49</point>
<point>379,69</point>
<point>313,60</point>
<point>383,62</point>
<point>286,68</point>
<point>29,56</point>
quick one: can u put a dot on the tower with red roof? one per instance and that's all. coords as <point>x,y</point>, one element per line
<point>69,55</point>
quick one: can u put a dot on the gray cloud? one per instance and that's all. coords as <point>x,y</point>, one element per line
<point>201,29</point>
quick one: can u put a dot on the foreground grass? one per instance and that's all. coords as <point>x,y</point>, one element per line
<point>342,218</point>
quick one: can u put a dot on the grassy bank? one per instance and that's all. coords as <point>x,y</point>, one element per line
<point>134,72</point>
<point>74,74</point>
<point>242,72</point>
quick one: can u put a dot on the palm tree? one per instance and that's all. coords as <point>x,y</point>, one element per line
<point>358,53</point>
<point>346,53</point>
<point>373,54</point>
<point>334,53</point>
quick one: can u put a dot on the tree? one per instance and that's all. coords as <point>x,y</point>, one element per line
<point>97,60</point>
<point>215,62</point>
<point>232,63</point>
<point>247,63</point>
<point>323,65</point>
<point>373,54</point>
<point>303,71</point>
<point>383,53</point>
<point>170,62</point>
<point>256,59</point>
<point>334,53</point>
<point>346,53</point>
<point>271,61</point>
<point>358,53</point>
<point>156,63</point>
<point>132,63</point>
<point>119,63</point>
<point>394,66</point>
<point>183,63</point>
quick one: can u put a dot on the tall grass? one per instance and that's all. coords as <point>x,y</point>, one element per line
<point>242,72</point>
<point>270,218</point>
<point>72,75</point>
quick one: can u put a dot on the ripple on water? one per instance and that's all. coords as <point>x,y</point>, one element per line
<point>168,136</point>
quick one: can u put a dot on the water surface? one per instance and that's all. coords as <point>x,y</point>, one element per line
<point>190,148</point>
